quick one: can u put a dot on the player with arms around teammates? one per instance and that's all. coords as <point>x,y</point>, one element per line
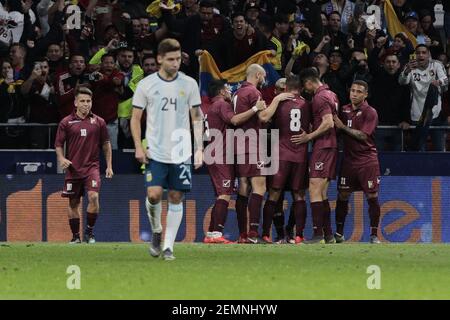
<point>84,134</point>
<point>322,164</point>
<point>360,168</point>
<point>169,97</point>
<point>250,168</point>
<point>219,117</point>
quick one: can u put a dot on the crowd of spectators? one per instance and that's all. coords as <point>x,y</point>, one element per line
<point>47,48</point>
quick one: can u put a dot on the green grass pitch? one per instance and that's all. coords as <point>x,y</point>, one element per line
<point>126,271</point>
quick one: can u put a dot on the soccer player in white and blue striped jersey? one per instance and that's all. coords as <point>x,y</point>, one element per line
<point>169,97</point>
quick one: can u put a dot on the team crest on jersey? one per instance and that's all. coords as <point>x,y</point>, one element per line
<point>260,164</point>
<point>149,177</point>
<point>182,93</point>
<point>94,184</point>
<point>226,183</point>
<point>250,41</point>
<point>358,113</point>
<point>318,166</point>
<point>92,120</point>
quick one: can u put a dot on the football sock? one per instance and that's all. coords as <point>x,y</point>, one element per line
<point>154,215</point>
<point>254,208</point>
<point>299,208</point>
<point>174,217</point>
<point>341,213</point>
<point>211,222</point>
<point>91,218</point>
<point>220,214</point>
<point>317,215</point>
<point>327,230</point>
<point>291,220</point>
<point>241,213</point>
<point>268,213</point>
<point>374,215</point>
<point>75,226</point>
<point>278,218</point>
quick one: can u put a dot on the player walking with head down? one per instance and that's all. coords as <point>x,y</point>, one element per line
<point>84,134</point>
<point>169,97</point>
<point>322,164</point>
<point>360,168</point>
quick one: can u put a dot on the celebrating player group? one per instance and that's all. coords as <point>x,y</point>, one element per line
<point>296,122</point>
<point>235,131</point>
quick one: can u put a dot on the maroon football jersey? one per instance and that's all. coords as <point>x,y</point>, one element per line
<point>218,116</point>
<point>360,153</point>
<point>244,99</point>
<point>291,118</point>
<point>324,102</point>
<point>84,138</point>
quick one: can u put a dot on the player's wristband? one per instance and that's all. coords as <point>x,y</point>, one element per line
<point>255,109</point>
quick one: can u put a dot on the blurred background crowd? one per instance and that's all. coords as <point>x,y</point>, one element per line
<point>47,48</point>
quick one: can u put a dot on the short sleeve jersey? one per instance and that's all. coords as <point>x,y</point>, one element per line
<point>243,100</point>
<point>291,118</point>
<point>360,154</point>
<point>168,124</point>
<point>324,102</point>
<point>218,117</point>
<point>83,138</point>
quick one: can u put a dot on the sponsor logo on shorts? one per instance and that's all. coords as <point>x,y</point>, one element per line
<point>260,164</point>
<point>149,177</point>
<point>94,184</point>
<point>226,183</point>
<point>318,166</point>
<point>69,187</point>
<point>343,181</point>
<point>370,184</point>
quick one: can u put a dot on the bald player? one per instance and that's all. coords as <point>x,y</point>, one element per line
<point>251,172</point>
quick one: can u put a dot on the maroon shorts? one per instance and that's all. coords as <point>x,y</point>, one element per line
<point>252,167</point>
<point>75,188</point>
<point>222,177</point>
<point>359,179</point>
<point>290,175</point>
<point>322,164</point>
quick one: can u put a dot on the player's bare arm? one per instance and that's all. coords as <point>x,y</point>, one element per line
<point>242,117</point>
<point>135,124</point>
<point>268,113</point>
<point>107,151</point>
<point>327,124</point>
<point>196,115</point>
<point>357,134</point>
<point>63,162</point>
